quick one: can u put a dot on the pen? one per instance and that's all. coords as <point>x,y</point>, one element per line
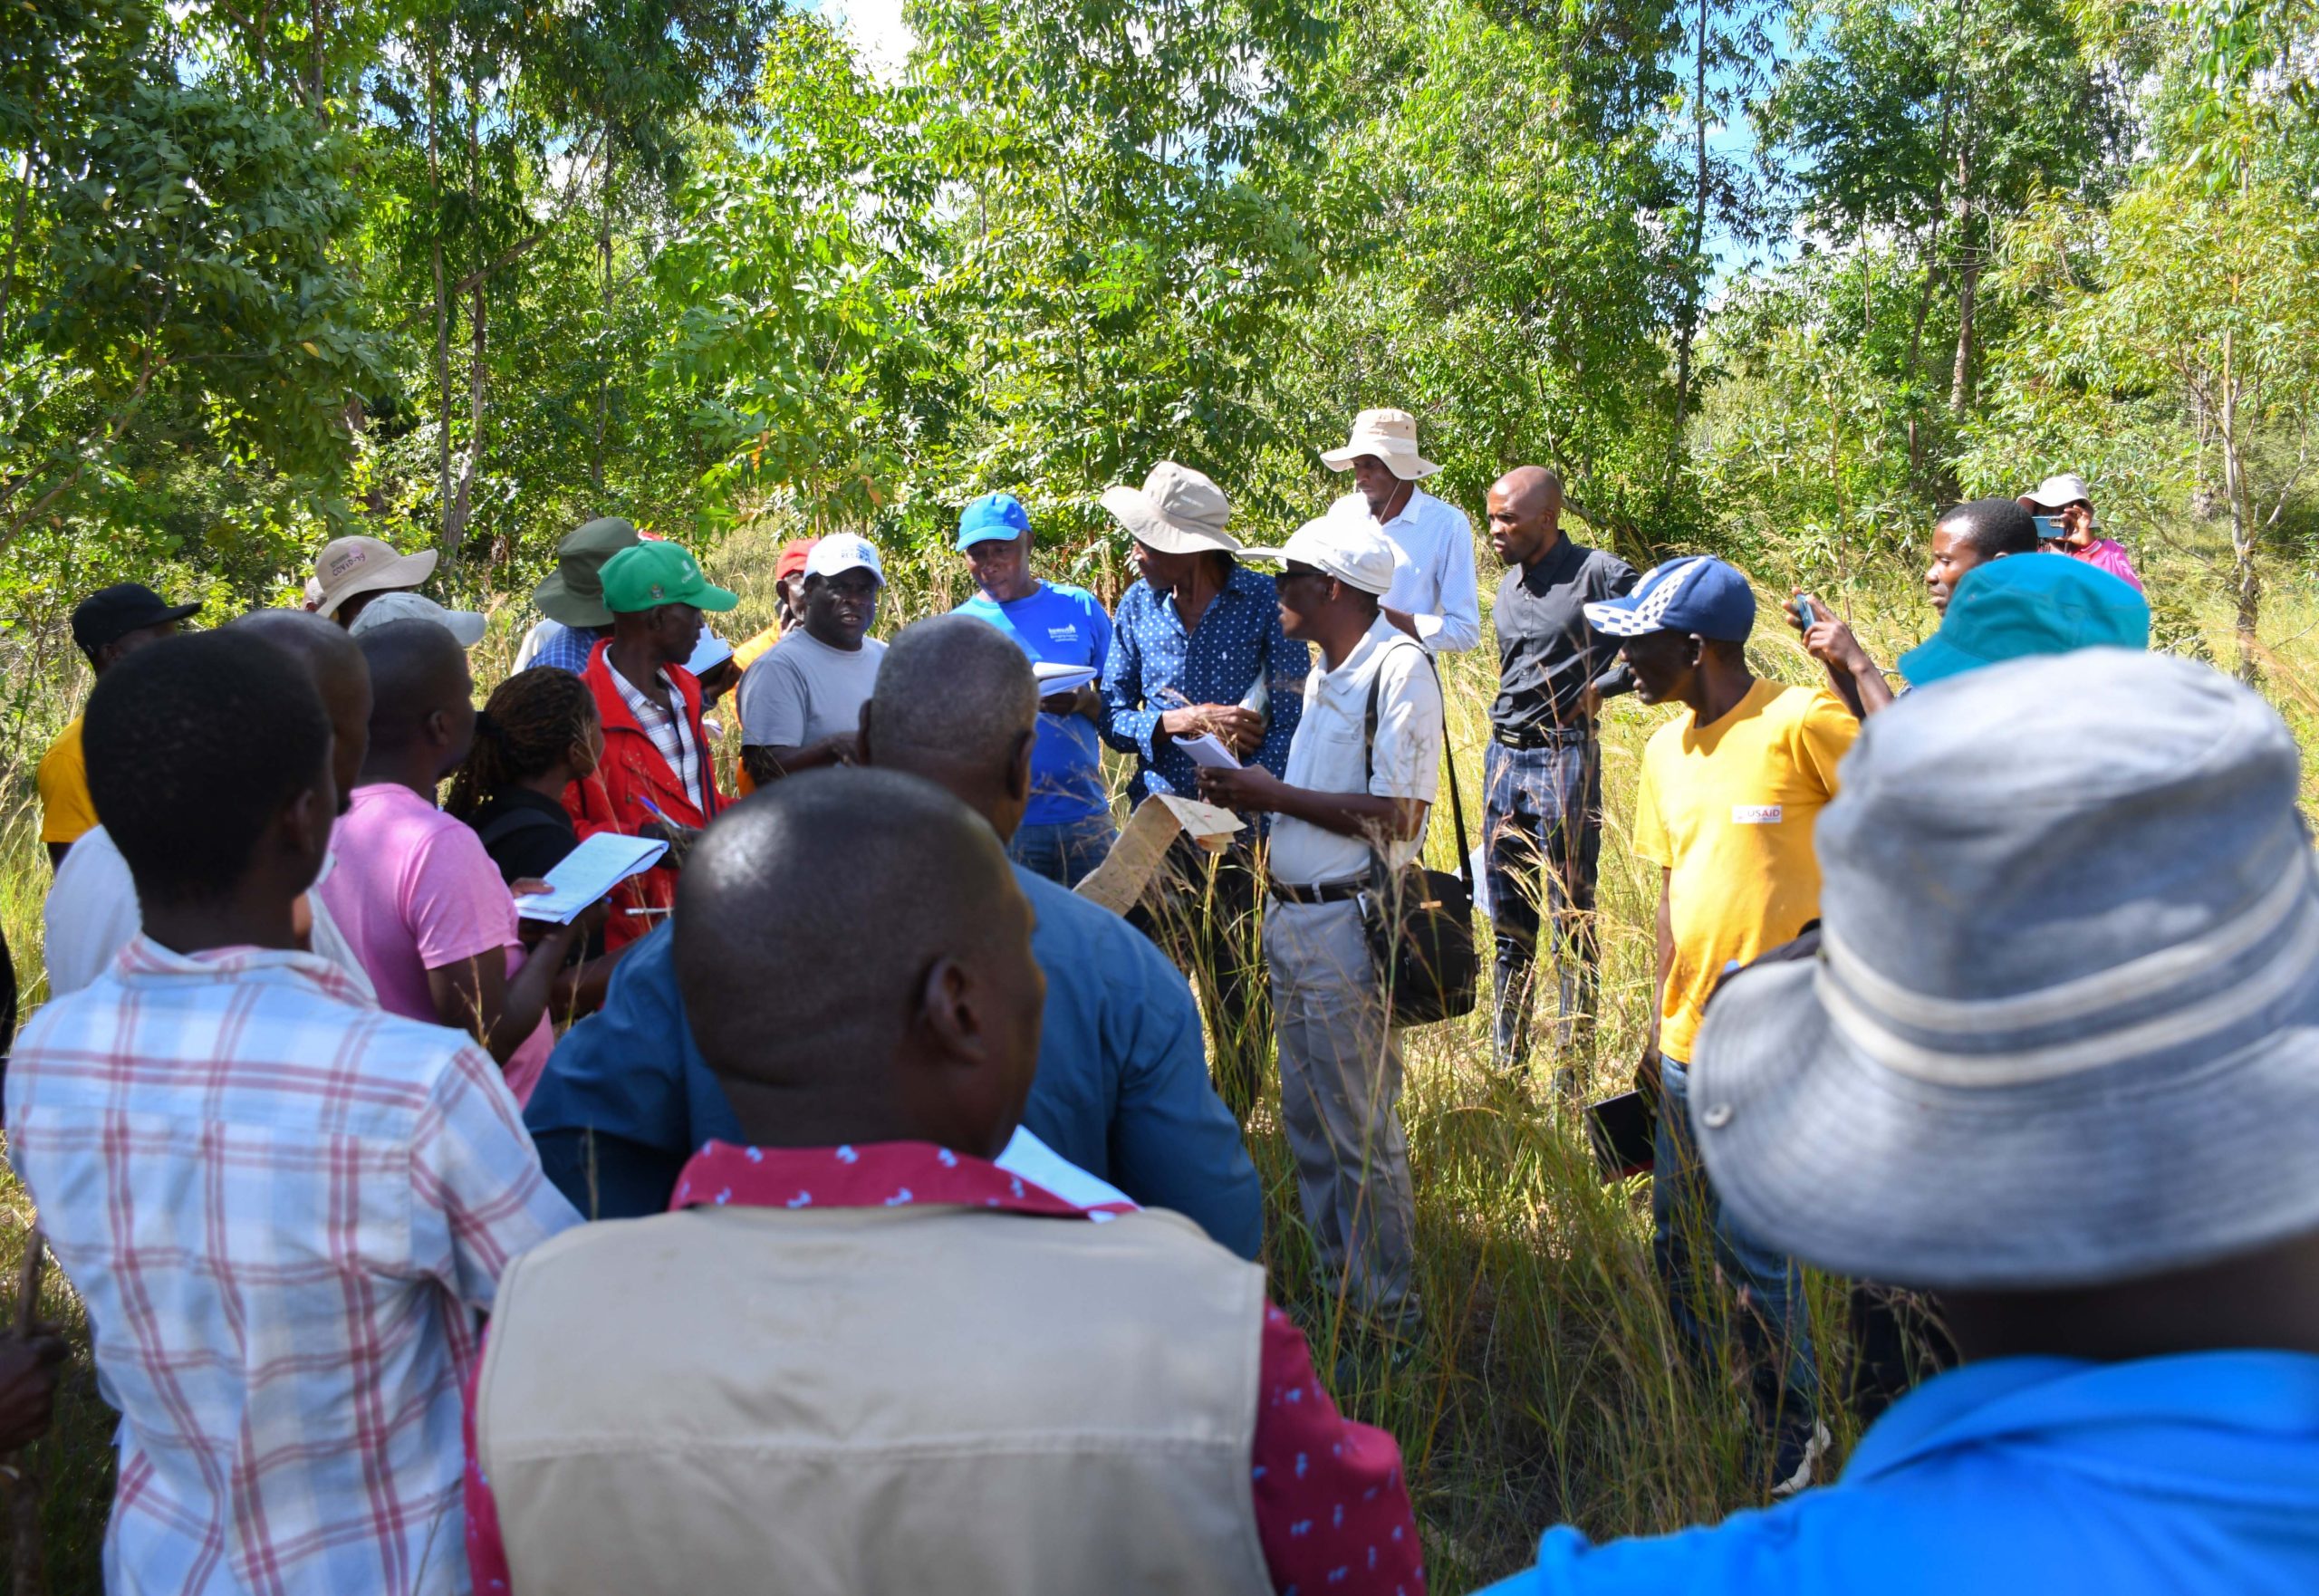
<point>660,814</point>
<point>637,911</point>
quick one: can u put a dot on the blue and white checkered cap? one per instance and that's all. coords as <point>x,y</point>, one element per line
<point>1699,595</point>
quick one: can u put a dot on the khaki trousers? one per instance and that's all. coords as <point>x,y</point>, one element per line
<point>1340,1090</point>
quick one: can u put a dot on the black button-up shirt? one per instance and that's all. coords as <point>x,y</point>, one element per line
<point>1546,652</point>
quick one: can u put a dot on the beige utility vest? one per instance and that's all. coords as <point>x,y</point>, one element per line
<point>874,1400</point>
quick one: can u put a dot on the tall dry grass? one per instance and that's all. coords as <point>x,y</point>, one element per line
<point>1550,1387</point>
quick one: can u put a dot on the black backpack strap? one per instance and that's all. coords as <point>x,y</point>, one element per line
<point>1369,750</point>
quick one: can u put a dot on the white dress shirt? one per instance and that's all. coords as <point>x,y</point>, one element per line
<point>91,913</point>
<point>1433,568</point>
<point>1331,754</point>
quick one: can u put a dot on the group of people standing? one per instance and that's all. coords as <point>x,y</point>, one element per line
<point>924,1226</point>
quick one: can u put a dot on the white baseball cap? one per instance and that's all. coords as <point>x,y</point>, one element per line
<point>841,552</point>
<point>387,608</point>
<point>1352,551</point>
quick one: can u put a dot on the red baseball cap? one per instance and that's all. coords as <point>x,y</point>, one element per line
<point>793,558</point>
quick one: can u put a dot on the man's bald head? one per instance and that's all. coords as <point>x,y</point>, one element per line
<point>335,662</point>
<point>956,703</point>
<point>1524,508</point>
<point>856,965</point>
<point>422,699</point>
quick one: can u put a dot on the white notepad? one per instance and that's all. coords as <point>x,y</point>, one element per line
<point>589,871</point>
<point>1207,750</point>
<point>1057,677</point>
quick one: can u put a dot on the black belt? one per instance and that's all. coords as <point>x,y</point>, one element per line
<point>1326,893</point>
<point>1542,737</point>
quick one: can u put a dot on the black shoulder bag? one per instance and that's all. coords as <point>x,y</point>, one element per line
<point>1421,922</point>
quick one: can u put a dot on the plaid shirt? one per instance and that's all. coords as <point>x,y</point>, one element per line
<point>282,1212</point>
<point>565,647</point>
<point>670,730</point>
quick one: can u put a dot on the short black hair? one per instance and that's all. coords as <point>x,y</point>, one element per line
<point>194,746</point>
<point>1993,526</point>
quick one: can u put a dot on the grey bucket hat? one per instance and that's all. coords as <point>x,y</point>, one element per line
<point>2063,1029</point>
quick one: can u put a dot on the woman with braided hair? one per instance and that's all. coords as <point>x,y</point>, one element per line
<point>536,735</point>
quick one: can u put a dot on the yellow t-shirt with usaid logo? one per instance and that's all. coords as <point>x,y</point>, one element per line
<point>1729,809</point>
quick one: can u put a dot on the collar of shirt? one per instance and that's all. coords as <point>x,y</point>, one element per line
<point>1560,564</point>
<point>2167,1414</point>
<point>145,962</point>
<point>639,703</point>
<point>1412,512</point>
<point>875,1175</point>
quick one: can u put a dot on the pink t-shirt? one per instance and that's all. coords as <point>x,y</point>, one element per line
<point>413,890</point>
<point>2108,555</point>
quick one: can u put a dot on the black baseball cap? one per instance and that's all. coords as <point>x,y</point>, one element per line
<point>109,614</point>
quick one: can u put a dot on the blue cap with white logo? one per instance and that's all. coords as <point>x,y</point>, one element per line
<point>994,516</point>
<point>1698,596</point>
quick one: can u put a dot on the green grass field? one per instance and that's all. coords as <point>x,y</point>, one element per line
<point>1550,1389</point>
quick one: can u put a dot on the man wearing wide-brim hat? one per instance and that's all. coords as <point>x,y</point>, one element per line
<point>2058,1064</point>
<point>571,597</point>
<point>1433,597</point>
<point>1197,649</point>
<point>351,571</point>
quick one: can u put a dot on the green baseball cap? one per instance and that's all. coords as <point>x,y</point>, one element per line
<point>573,593</point>
<point>652,575</point>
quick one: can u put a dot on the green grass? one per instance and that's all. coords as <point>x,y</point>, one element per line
<point>1550,1389</point>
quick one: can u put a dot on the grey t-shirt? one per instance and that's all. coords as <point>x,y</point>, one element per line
<point>804,691</point>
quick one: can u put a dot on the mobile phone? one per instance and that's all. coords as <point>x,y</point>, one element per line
<point>1806,614</point>
<point>2048,529</point>
<point>1622,1129</point>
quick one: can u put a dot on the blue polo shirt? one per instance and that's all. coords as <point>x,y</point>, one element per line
<point>2038,1477</point>
<point>1058,625</point>
<point>1121,1089</point>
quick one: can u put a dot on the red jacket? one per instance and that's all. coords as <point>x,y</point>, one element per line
<point>632,769</point>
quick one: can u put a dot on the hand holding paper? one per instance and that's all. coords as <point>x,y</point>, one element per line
<point>589,871</point>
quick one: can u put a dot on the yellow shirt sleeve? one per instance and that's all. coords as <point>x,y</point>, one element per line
<point>66,813</point>
<point>1650,838</point>
<point>1823,736</point>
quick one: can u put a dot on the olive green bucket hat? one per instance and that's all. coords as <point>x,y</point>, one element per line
<point>573,593</point>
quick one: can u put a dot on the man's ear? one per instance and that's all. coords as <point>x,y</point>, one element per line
<point>862,738</point>
<point>1018,764</point>
<point>949,1006</point>
<point>303,827</point>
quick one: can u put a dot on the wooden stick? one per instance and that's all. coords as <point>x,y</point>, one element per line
<point>23,1467</point>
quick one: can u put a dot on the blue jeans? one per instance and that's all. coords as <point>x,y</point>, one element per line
<point>1066,850</point>
<point>1769,1329</point>
<point>1542,828</point>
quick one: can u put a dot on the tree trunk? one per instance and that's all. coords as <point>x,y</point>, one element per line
<point>604,328</point>
<point>1689,330</point>
<point>442,307</point>
<point>455,524</point>
<point>1968,278</point>
<point>2246,582</point>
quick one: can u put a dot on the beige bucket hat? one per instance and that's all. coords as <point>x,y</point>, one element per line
<point>1176,511</point>
<point>1391,437</point>
<point>349,566</point>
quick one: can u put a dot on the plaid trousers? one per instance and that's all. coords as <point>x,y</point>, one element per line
<point>1542,826</point>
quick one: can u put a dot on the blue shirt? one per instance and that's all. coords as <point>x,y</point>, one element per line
<point>1156,664</point>
<point>1121,1090</point>
<point>1058,625</point>
<point>2028,1476</point>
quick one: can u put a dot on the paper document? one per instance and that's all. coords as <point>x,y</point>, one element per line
<point>1126,874</point>
<point>589,871</point>
<point>1062,678</point>
<point>1207,751</point>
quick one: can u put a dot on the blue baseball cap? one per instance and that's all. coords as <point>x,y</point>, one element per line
<point>2026,604</point>
<point>1698,596</point>
<point>993,516</point>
